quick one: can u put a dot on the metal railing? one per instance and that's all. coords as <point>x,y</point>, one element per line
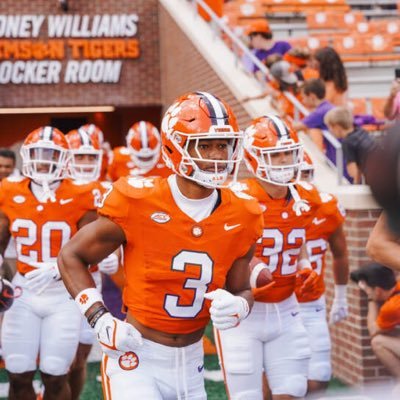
<point>239,49</point>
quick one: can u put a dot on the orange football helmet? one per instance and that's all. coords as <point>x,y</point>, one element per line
<point>94,131</point>
<point>86,155</point>
<point>144,144</point>
<point>45,155</point>
<point>194,117</point>
<point>307,168</point>
<point>273,151</point>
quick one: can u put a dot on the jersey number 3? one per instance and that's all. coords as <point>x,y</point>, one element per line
<point>197,286</point>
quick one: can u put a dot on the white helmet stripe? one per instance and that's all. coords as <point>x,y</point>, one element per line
<point>84,137</point>
<point>218,113</point>
<point>47,132</point>
<point>143,135</point>
<point>280,125</point>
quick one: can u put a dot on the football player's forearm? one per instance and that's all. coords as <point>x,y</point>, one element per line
<point>74,271</point>
<point>4,234</point>
<point>341,270</point>
<point>373,310</point>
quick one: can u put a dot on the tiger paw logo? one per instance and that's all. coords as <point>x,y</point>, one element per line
<point>83,299</point>
<point>129,361</point>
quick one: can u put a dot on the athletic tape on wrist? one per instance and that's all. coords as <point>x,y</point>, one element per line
<point>86,298</point>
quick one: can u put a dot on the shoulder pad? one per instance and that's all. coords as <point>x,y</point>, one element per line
<point>326,197</point>
<point>123,150</point>
<point>239,186</point>
<point>16,179</point>
<point>305,185</point>
<point>136,187</point>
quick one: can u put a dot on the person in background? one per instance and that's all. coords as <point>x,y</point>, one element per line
<point>284,81</point>
<point>383,292</point>
<point>332,72</point>
<point>391,108</point>
<point>299,58</point>
<point>7,164</point>
<point>356,142</point>
<point>262,44</point>
<point>8,168</point>
<point>326,231</point>
<point>313,95</point>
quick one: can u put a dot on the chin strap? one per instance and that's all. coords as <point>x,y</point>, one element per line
<point>299,205</point>
<point>48,193</point>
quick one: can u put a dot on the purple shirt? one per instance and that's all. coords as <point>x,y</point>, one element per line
<point>315,120</point>
<point>279,47</point>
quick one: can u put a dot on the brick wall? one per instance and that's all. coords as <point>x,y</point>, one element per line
<point>139,83</point>
<point>184,69</point>
<point>352,356</point>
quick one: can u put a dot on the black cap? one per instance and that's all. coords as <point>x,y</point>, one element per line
<point>375,275</point>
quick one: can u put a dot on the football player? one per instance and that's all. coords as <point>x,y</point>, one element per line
<point>326,229</point>
<point>273,338</point>
<point>85,167</point>
<point>42,210</point>
<point>97,134</point>
<point>141,156</point>
<point>187,240</point>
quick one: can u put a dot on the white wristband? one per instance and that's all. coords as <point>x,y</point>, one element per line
<point>86,298</point>
<point>1,260</point>
<point>254,274</point>
<point>304,263</point>
<point>340,291</point>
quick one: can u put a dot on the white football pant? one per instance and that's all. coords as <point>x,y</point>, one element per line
<point>156,372</point>
<point>313,315</point>
<point>271,339</point>
<point>45,325</point>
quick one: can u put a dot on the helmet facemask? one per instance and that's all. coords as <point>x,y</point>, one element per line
<point>278,174</point>
<point>215,172</point>
<point>85,164</point>
<point>307,172</point>
<point>44,161</point>
<point>145,158</point>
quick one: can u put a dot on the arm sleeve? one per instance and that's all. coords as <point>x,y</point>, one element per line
<point>389,314</point>
<point>115,206</point>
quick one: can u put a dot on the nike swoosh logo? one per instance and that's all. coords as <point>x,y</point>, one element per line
<point>200,368</point>
<point>294,313</point>
<point>317,221</point>
<point>318,309</point>
<point>230,227</point>
<point>65,201</point>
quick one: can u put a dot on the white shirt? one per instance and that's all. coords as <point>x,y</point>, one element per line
<point>197,209</point>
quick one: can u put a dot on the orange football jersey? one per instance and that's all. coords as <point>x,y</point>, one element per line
<point>123,165</point>
<point>328,218</point>
<point>171,261</point>
<point>389,314</point>
<point>283,235</point>
<point>41,229</point>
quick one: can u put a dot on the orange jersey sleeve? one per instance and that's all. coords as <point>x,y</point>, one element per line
<point>41,229</point>
<point>328,218</point>
<point>171,261</point>
<point>284,233</point>
<point>389,314</point>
